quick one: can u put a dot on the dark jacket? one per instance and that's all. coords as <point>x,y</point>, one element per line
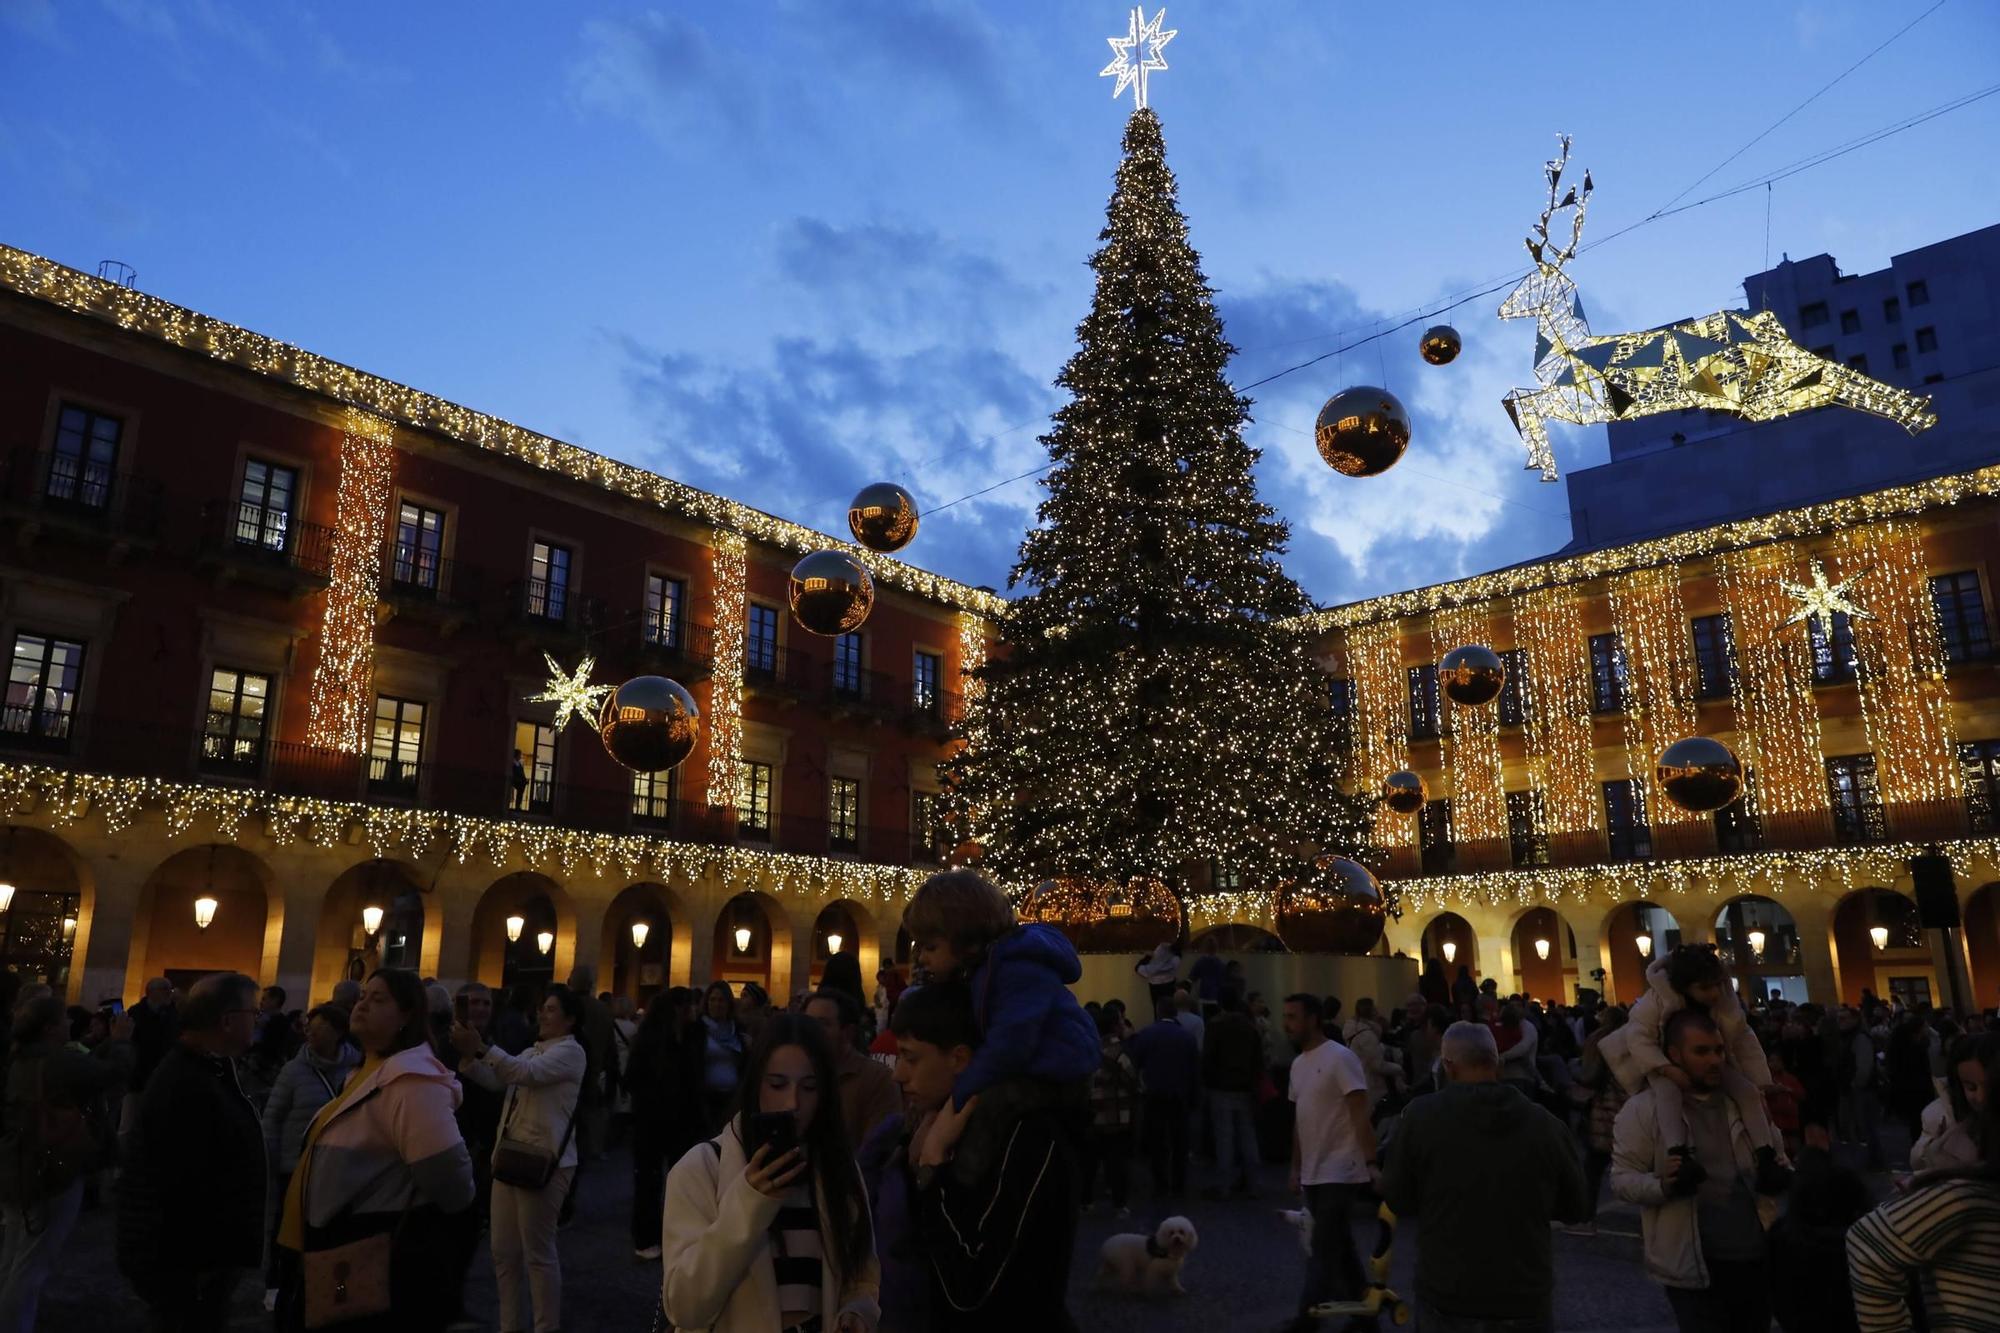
<point>1168,1059</point>
<point>1232,1053</point>
<point>1029,1022</point>
<point>599,1040</point>
<point>1809,1246</point>
<point>1487,1170</point>
<point>1000,1242</point>
<point>191,1195</point>
<point>905,1295</point>
<point>153,1035</point>
<point>59,1077</point>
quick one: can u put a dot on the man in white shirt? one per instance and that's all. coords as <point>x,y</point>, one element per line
<point>1334,1159</point>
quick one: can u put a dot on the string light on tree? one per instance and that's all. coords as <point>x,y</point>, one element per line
<point>571,692</point>
<point>1149,43</point>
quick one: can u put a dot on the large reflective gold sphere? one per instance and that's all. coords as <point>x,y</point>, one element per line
<point>883,517</point>
<point>1439,345</point>
<point>1338,909</point>
<point>1107,916</point>
<point>1699,774</point>
<point>832,593</point>
<point>1404,792</point>
<point>1362,431</point>
<point>1472,675</point>
<point>649,724</point>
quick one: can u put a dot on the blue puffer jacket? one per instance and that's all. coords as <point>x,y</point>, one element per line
<point>305,1084</point>
<point>1030,1024</point>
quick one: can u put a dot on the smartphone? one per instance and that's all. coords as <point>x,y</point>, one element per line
<point>776,1128</point>
<point>460,1009</point>
<point>112,1005</point>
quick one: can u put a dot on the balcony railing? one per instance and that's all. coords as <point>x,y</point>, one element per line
<point>37,727</point>
<point>860,690</point>
<point>785,670</point>
<point>82,495</point>
<point>259,537</point>
<point>416,580</point>
<point>672,644</point>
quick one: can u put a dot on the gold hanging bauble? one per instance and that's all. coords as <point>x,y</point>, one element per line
<point>831,593</point>
<point>1339,908</point>
<point>1472,675</point>
<point>1439,345</point>
<point>883,517</point>
<point>1699,774</point>
<point>1362,431</point>
<point>1404,792</point>
<point>1107,916</point>
<point>649,724</point>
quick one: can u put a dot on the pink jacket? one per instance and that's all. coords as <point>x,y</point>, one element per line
<point>392,1144</point>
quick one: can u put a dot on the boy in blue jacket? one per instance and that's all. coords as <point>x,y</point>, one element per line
<point>1038,1047</point>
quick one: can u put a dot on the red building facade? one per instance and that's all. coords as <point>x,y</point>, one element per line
<point>274,627</point>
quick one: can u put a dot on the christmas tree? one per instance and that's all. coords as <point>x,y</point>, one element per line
<point>1147,711</point>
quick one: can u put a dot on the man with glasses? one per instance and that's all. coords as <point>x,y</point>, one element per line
<point>191,1196</point>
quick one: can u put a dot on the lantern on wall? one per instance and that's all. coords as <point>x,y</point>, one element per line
<point>1879,934</point>
<point>1107,916</point>
<point>1339,908</point>
<point>1450,948</point>
<point>1542,950</point>
<point>743,939</point>
<point>204,912</point>
<point>640,930</point>
<point>1644,944</point>
<point>545,940</point>
<point>515,925</point>
<point>833,943</point>
<point>371,920</point>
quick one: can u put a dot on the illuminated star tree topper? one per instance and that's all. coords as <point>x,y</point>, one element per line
<point>1149,42</point>
<point>1820,601</point>
<point>572,694</point>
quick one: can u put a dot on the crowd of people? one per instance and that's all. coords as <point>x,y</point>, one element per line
<point>916,1157</point>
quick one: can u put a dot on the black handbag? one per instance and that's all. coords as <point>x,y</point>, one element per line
<point>525,1165</point>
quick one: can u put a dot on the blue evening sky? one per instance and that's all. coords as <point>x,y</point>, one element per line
<point>781,249</point>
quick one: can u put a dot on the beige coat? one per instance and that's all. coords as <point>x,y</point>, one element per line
<point>1638,1155</point>
<point>716,1250</point>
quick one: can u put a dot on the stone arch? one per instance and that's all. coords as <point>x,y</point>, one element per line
<point>1982,944</point>
<point>1779,965</point>
<point>1903,964</point>
<point>242,936</point>
<point>341,946</point>
<point>543,905</point>
<point>1549,974</point>
<point>766,955</point>
<point>637,971</point>
<point>1625,960</point>
<point>1453,929</point>
<point>45,931</point>
<point>860,935</point>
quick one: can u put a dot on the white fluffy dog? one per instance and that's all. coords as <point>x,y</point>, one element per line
<point>1301,1219</point>
<point>1148,1263</point>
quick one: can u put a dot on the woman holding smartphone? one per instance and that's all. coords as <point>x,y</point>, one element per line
<point>766,1226</point>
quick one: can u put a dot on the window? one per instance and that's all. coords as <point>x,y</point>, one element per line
<point>753,800</point>
<point>1899,356</point>
<point>1927,340</point>
<point>1892,311</point>
<point>532,772</point>
<point>1525,836</point>
<point>1608,683</point>
<point>396,746</point>
<point>1850,321</point>
<point>1424,702</point>
<point>419,547</point>
<point>1224,877</point>
<point>1513,708</point>
<point>1340,698</point>
<point>1714,656</point>
<point>926,833</point>
<point>1961,616</point>
<point>847,664</point>
<point>86,454</point>
<point>1813,315</point>
<point>1737,828</point>
<point>653,797</point>
<point>1920,293</point>
<point>1856,800</point>
<point>1979,761</point>
<point>232,736</point>
<point>926,669</point>
<point>1625,821</point>
<point>1833,661</point>
<point>1858,363</point>
<point>264,508</point>
<point>42,683</point>
<point>666,600</point>
<point>760,641</point>
<point>548,581</point>
<point>1434,836</point>
<point>843,814</point>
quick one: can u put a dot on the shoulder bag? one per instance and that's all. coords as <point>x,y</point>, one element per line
<point>525,1165</point>
<point>346,1281</point>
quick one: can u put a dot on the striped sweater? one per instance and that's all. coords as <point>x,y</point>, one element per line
<point>1947,1235</point>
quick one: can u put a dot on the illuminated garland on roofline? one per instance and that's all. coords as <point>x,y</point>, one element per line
<point>32,275</point>
<point>65,798</point>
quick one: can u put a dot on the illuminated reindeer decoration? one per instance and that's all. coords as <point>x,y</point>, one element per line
<point>1731,361</point>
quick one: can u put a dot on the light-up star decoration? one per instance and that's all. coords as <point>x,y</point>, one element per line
<point>1820,601</point>
<point>1132,73</point>
<point>1737,361</point>
<point>573,695</point>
